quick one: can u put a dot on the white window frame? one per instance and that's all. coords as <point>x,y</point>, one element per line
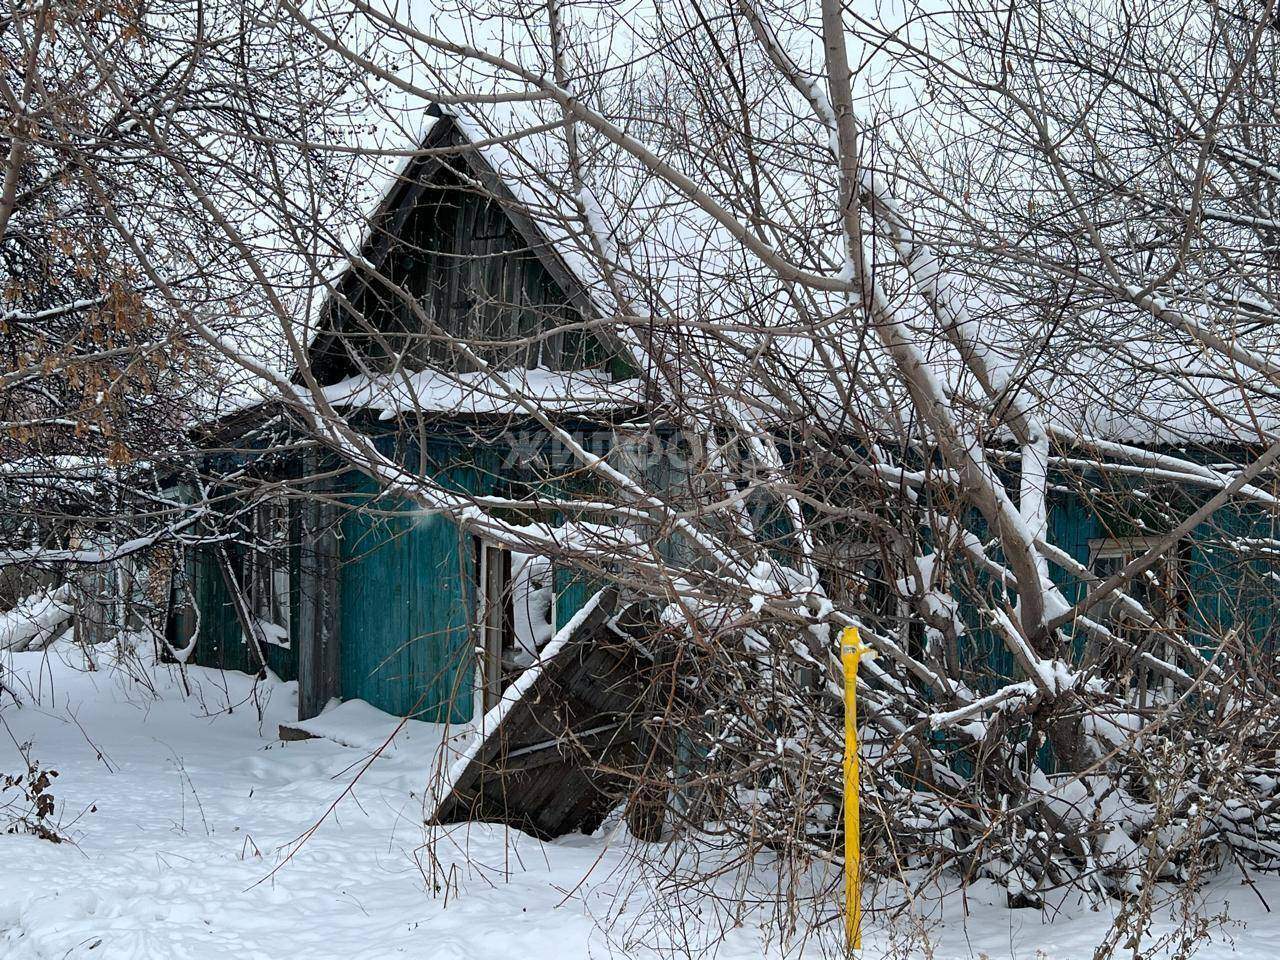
<point>493,626</point>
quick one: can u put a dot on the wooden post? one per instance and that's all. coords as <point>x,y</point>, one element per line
<point>319,647</point>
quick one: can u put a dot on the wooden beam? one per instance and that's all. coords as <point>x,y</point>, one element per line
<point>319,641</point>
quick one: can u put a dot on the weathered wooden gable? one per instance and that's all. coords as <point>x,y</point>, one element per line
<point>451,254</point>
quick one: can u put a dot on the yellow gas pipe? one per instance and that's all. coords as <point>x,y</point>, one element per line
<point>852,650</point>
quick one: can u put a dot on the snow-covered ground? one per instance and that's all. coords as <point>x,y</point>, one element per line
<point>185,818</point>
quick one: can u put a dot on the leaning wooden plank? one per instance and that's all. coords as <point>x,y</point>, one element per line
<point>548,756</point>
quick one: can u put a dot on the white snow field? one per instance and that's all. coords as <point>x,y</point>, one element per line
<point>182,815</point>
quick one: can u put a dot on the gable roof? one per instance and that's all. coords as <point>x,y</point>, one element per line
<point>1144,386</point>
<point>1147,385</point>
<point>449,144</point>
<point>457,145</point>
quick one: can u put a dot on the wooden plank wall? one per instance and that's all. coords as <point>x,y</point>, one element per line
<point>405,611</point>
<point>221,642</point>
<point>473,273</point>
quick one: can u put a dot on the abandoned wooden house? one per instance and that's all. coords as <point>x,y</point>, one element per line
<point>356,595</point>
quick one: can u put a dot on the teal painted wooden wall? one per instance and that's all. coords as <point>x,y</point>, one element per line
<point>407,585</point>
<point>405,611</point>
<point>1230,590</point>
<point>406,592</point>
<point>221,643</point>
<point>1225,589</point>
<point>406,589</point>
<point>573,589</point>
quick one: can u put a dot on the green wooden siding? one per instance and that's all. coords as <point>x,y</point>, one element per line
<point>573,589</point>
<point>407,583</point>
<point>221,643</point>
<point>477,270</point>
<point>1232,586</point>
<point>1226,588</point>
<point>406,596</point>
<point>404,613</point>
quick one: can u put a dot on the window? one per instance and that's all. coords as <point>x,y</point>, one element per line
<point>267,570</point>
<point>1160,590</point>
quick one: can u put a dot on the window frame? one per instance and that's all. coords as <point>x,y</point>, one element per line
<point>268,574</point>
<point>1172,618</point>
<point>494,621</point>
<point>1127,548</point>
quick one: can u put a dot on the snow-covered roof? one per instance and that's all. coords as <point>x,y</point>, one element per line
<point>1138,380</point>
<point>434,391</point>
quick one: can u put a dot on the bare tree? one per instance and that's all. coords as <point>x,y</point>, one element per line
<point>118,283</point>
<point>954,325</point>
